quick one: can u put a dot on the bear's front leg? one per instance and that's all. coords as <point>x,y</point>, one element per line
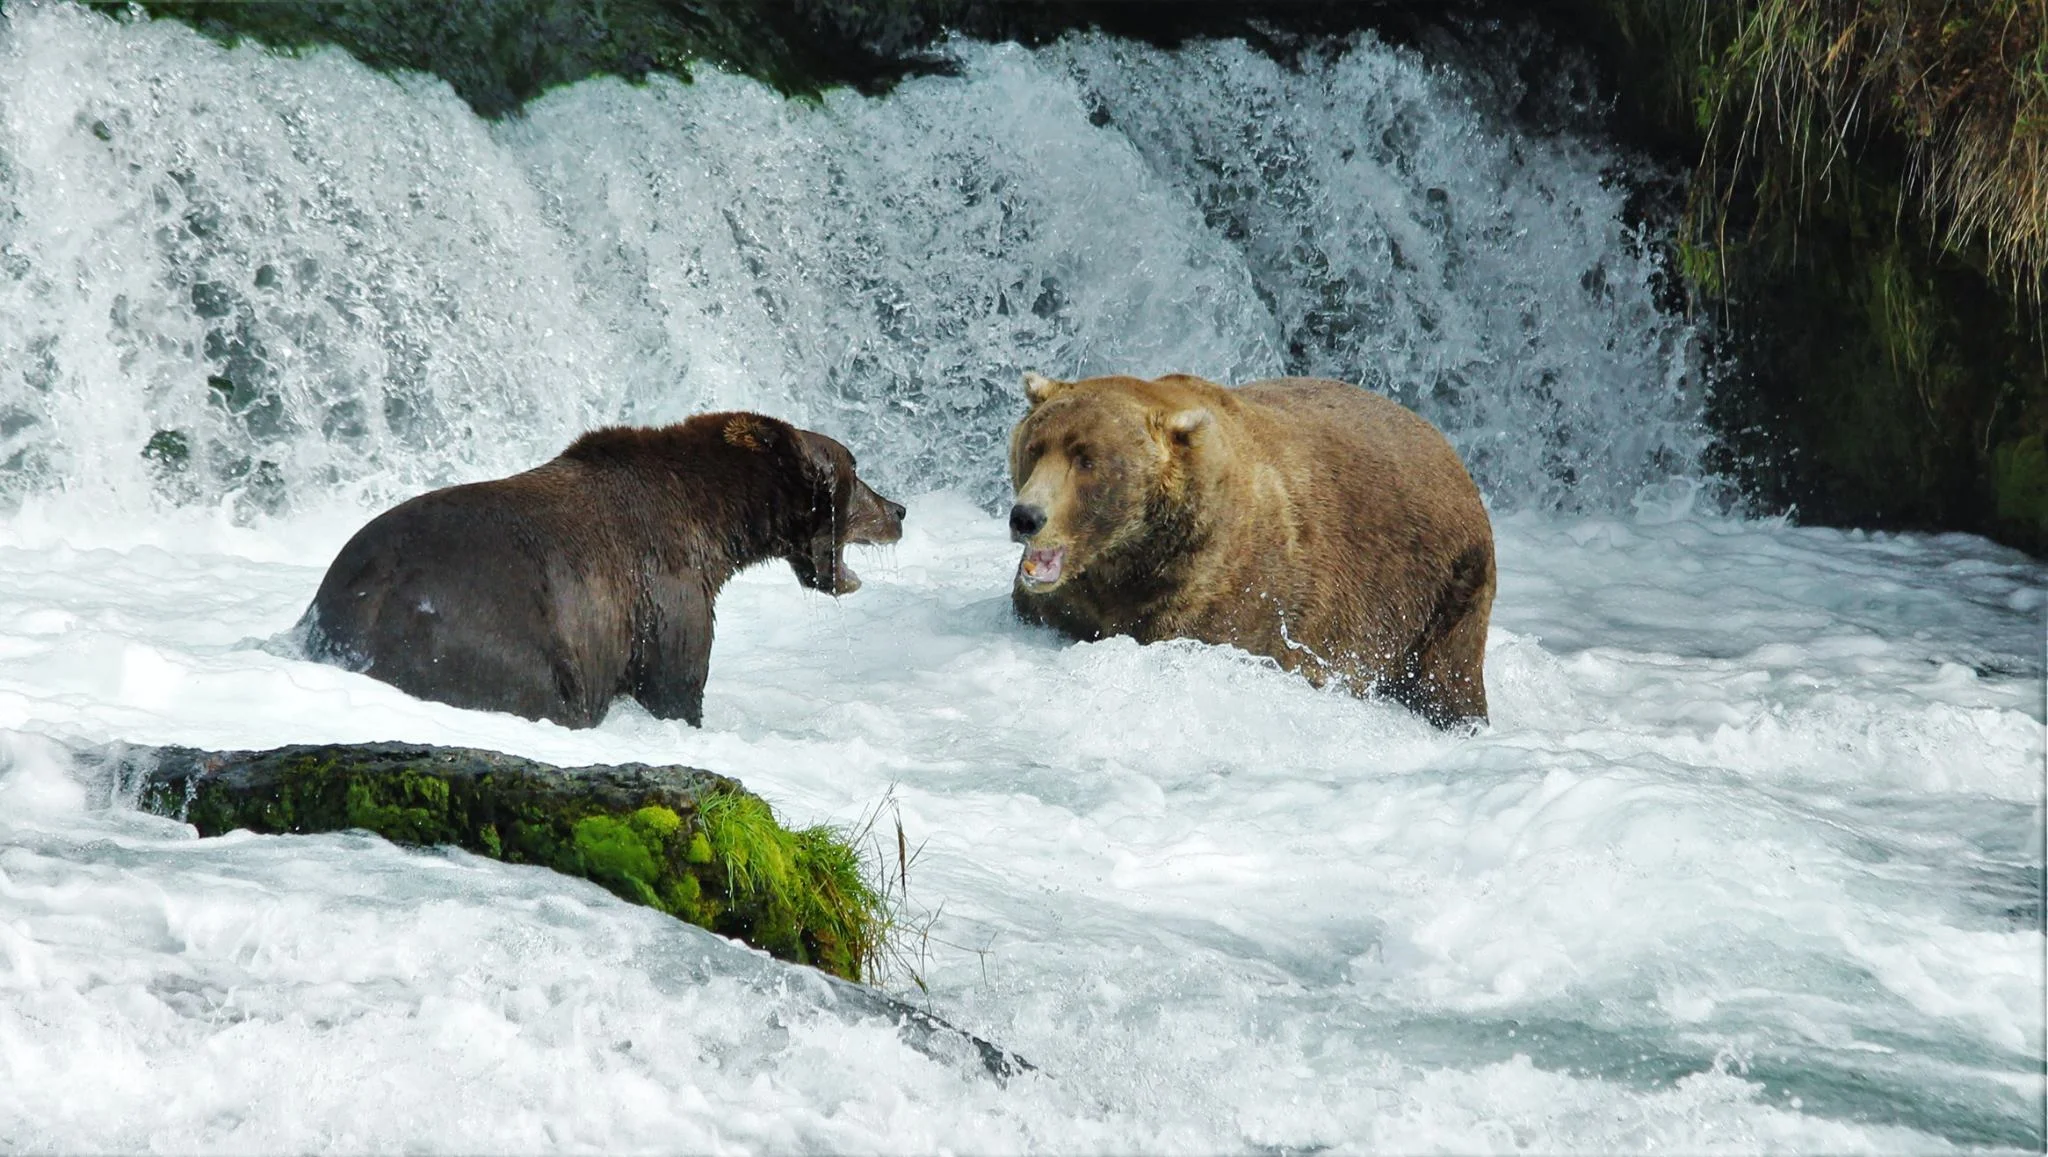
<point>672,648</point>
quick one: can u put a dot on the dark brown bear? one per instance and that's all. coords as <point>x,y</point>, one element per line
<point>548,593</point>
<point>1308,520</point>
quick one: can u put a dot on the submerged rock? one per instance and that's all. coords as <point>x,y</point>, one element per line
<point>689,842</point>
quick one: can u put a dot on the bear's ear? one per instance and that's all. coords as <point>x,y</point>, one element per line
<point>1183,426</point>
<point>1040,388</point>
<point>749,431</point>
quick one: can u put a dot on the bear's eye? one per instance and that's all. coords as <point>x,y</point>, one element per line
<point>1082,460</point>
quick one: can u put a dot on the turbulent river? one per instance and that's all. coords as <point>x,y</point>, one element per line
<point>1749,859</point>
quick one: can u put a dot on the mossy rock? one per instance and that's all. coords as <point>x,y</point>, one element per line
<point>691,843</point>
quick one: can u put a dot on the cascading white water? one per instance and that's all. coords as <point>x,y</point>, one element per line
<point>238,274</point>
<point>232,274</point>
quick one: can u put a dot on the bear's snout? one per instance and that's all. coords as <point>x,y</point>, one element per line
<point>872,519</point>
<point>1025,521</point>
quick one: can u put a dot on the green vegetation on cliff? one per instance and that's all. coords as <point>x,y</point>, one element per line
<point>1867,227</point>
<point>693,844</point>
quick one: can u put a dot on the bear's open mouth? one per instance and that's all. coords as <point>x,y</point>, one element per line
<point>1042,568</point>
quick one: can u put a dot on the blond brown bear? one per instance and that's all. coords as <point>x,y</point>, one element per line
<point>1308,520</point>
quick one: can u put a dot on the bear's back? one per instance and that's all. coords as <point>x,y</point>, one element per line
<point>1354,442</point>
<point>480,595</point>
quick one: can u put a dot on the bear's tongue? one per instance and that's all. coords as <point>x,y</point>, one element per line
<point>1043,566</point>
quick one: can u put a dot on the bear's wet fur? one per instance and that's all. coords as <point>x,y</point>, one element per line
<point>1308,520</point>
<point>548,593</point>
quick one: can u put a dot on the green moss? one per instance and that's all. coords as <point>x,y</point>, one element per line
<point>735,870</point>
<point>712,854</point>
<point>1863,237</point>
<point>408,807</point>
<point>802,894</point>
<point>658,820</point>
<point>684,899</point>
<point>626,855</point>
<point>2020,468</point>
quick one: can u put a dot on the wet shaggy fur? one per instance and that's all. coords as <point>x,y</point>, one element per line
<point>549,593</point>
<point>1312,521</point>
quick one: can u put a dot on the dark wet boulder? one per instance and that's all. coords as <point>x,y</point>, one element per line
<point>688,842</point>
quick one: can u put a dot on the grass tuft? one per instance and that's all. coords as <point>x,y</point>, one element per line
<point>1797,85</point>
<point>804,893</point>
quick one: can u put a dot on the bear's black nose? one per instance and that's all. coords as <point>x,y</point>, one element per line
<point>1025,521</point>
<point>899,510</point>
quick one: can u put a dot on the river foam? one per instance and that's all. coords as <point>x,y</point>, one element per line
<point>1763,878</point>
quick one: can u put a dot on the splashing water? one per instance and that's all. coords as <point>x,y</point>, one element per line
<point>236,275</point>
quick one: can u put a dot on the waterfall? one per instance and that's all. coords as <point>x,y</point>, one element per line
<point>239,277</point>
